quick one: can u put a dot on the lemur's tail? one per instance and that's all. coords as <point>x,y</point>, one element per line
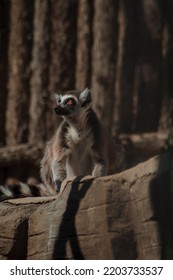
<point>22,190</point>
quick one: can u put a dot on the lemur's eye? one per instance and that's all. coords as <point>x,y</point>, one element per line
<point>70,102</point>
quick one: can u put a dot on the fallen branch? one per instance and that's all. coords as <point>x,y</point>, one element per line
<point>21,153</point>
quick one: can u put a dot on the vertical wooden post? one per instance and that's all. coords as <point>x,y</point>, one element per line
<point>19,55</point>
<point>63,18</point>
<point>4,33</point>
<point>150,66</point>
<point>40,72</point>
<point>84,44</point>
<point>104,58</point>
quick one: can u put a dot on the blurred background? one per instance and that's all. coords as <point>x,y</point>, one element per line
<point>122,50</point>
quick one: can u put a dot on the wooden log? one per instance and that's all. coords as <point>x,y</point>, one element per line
<point>62,44</point>
<point>63,20</point>
<point>4,32</point>
<point>84,42</point>
<point>150,65</point>
<point>142,146</point>
<point>128,76</point>
<point>39,74</point>
<point>105,29</point>
<point>21,154</point>
<point>120,55</point>
<point>166,118</point>
<point>19,55</point>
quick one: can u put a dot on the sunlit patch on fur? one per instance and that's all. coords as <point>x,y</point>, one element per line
<point>7,192</point>
<point>25,189</point>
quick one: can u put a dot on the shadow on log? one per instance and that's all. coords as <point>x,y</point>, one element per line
<point>161,189</point>
<point>76,194</point>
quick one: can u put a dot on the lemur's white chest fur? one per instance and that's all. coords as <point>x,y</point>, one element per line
<point>80,136</point>
<point>80,141</point>
<point>75,134</point>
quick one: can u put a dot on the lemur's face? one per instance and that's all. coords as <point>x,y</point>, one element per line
<point>71,102</point>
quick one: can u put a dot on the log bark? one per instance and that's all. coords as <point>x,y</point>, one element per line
<point>150,66</point>
<point>166,119</point>
<point>104,58</point>
<point>63,21</point>
<point>84,43</point>
<point>120,55</point>
<point>62,44</point>
<point>19,55</point>
<point>129,71</point>
<point>21,154</point>
<point>4,33</point>
<point>142,146</point>
<point>39,74</point>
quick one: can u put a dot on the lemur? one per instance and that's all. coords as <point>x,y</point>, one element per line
<point>79,147</point>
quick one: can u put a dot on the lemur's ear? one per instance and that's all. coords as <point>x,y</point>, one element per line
<point>85,97</point>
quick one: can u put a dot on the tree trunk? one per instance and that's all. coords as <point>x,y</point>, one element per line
<point>118,70</point>
<point>150,65</point>
<point>19,55</point>
<point>84,43</point>
<point>39,76</point>
<point>166,120</point>
<point>128,67</point>
<point>4,31</point>
<point>63,17</point>
<point>104,58</point>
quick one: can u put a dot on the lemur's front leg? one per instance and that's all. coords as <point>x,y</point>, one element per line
<point>59,172</point>
<point>100,164</point>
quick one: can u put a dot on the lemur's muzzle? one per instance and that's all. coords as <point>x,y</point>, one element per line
<point>61,111</point>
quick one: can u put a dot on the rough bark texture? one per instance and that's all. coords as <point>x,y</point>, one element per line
<point>19,55</point>
<point>4,26</point>
<point>39,76</point>
<point>150,67</point>
<point>121,49</point>
<point>129,72</point>
<point>128,216</point>
<point>63,21</point>
<point>104,58</point>
<point>84,42</point>
<point>25,153</point>
<point>166,119</point>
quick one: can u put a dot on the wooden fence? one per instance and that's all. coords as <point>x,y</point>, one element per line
<point>120,49</point>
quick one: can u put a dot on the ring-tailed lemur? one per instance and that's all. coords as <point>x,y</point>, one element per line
<point>78,148</point>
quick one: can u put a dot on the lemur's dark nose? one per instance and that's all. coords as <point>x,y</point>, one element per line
<point>56,110</point>
<point>61,111</point>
